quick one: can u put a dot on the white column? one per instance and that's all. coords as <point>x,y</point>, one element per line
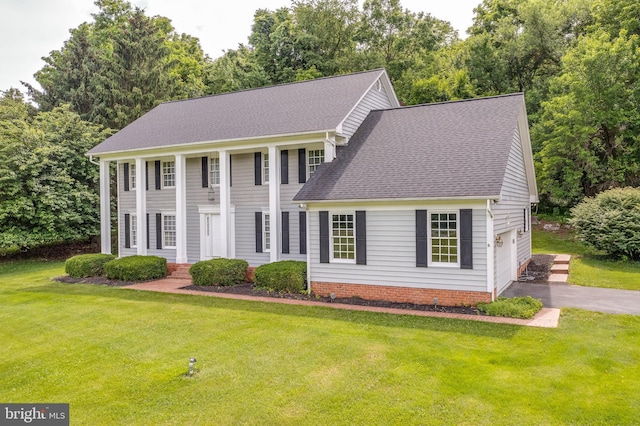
<point>490,250</point>
<point>274,202</point>
<point>141,207</point>
<point>181,209</point>
<point>105,207</point>
<point>225,203</point>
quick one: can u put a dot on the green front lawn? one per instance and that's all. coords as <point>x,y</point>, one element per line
<point>119,356</point>
<point>588,267</point>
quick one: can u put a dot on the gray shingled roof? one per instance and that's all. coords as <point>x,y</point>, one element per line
<point>314,105</point>
<point>452,149</point>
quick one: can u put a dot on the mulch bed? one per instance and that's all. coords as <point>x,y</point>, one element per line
<point>538,268</point>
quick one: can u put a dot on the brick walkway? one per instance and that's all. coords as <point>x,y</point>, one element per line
<point>547,317</point>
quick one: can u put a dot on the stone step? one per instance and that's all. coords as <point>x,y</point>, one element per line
<point>560,268</point>
<point>562,259</point>
<point>558,278</point>
<point>181,275</point>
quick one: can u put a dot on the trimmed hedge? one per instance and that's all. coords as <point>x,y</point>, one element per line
<point>136,268</point>
<point>87,265</point>
<point>222,272</point>
<point>287,276</point>
<point>515,307</point>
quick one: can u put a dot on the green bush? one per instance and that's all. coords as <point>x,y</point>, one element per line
<point>610,222</point>
<point>9,252</point>
<point>136,268</point>
<point>287,276</point>
<point>87,265</point>
<point>222,272</point>
<point>515,307</point>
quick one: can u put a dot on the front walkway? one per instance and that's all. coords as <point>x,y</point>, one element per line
<point>547,317</point>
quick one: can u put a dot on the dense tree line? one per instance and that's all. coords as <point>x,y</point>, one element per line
<point>577,62</point>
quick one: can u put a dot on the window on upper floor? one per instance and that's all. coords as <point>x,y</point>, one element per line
<point>265,168</point>
<point>214,171</point>
<point>168,174</point>
<point>132,176</point>
<point>315,157</point>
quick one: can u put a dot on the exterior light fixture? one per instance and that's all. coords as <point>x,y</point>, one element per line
<point>192,362</point>
<point>211,195</point>
<point>332,296</point>
<point>499,241</point>
<point>520,232</point>
<point>435,302</point>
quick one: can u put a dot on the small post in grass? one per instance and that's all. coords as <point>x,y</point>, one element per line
<point>192,362</point>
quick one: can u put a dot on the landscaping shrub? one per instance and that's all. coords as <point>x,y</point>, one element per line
<point>610,222</point>
<point>87,265</point>
<point>515,307</point>
<point>222,272</point>
<point>287,276</point>
<point>136,268</point>
<point>9,252</point>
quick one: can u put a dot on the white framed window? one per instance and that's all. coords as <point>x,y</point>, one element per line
<point>343,237</point>
<point>168,174</point>
<point>214,171</point>
<point>169,230</point>
<point>265,168</point>
<point>266,232</point>
<point>133,230</point>
<point>444,240</point>
<point>315,157</point>
<point>132,176</point>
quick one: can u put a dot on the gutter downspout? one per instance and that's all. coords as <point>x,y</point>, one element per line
<point>92,161</point>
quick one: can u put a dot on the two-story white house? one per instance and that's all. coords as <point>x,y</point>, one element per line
<point>381,201</point>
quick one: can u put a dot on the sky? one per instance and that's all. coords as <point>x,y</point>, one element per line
<point>31,29</point>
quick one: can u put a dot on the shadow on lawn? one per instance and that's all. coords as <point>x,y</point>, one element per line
<point>478,328</point>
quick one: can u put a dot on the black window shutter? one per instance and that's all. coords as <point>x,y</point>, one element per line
<point>361,237</point>
<point>127,230</point>
<point>302,165</point>
<point>159,231</point>
<point>230,171</point>
<point>146,176</point>
<point>205,172</point>
<point>422,239</point>
<point>148,237</point>
<point>303,232</point>
<point>126,176</point>
<point>324,237</point>
<point>257,167</point>
<point>158,182</point>
<point>258,232</point>
<point>284,167</point>
<point>285,232</point>
<point>466,242</point>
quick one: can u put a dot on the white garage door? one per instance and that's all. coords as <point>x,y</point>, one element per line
<point>504,262</point>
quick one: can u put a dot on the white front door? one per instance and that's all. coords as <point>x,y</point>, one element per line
<point>505,265</point>
<point>211,237</point>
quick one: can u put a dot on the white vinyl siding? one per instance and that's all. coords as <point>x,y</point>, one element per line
<point>391,255</point>
<point>374,99</point>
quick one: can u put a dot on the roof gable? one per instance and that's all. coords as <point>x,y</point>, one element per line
<point>313,105</point>
<point>445,150</point>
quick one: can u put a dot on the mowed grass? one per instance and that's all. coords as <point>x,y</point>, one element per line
<point>119,357</point>
<point>588,267</point>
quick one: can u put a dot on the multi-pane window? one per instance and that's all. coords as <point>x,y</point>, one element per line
<point>444,238</point>
<point>132,176</point>
<point>265,168</point>
<point>266,226</point>
<point>168,174</point>
<point>315,157</point>
<point>343,240</point>
<point>169,230</point>
<point>215,171</point>
<point>134,230</point>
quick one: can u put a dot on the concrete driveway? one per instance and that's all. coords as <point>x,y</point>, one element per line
<point>554,295</point>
